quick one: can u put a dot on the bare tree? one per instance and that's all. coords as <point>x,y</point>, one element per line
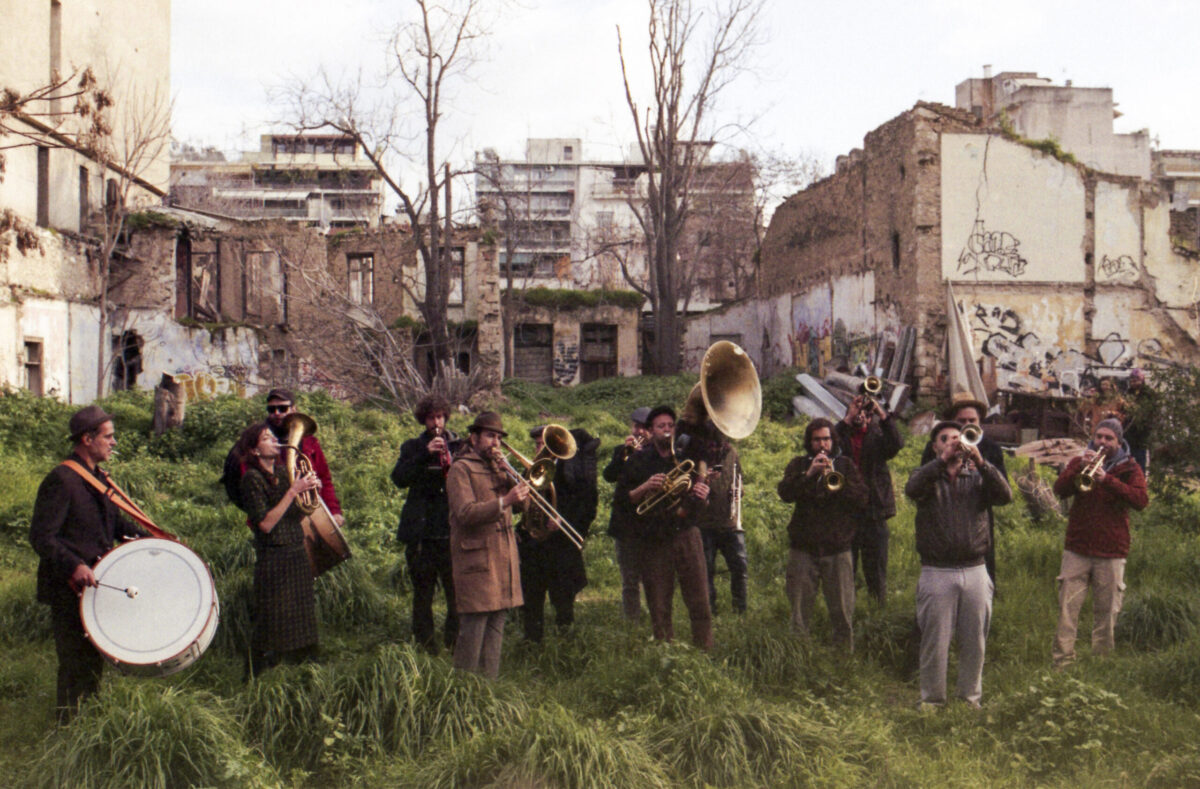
<point>426,55</point>
<point>672,133</point>
<point>45,116</point>
<point>125,153</point>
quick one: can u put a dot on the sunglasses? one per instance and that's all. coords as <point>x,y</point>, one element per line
<point>278,409</point>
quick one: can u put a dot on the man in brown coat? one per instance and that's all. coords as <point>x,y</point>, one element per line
<point>483,548</point>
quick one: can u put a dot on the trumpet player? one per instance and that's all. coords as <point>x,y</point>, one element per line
<point>424,526</point>
<point>830,494</point>
<point>621,524</point>
<point>966,410</point>
<point>483,547</point>
<point>869,436</point>
<point>1097,541</point>
<point>954,593</point>
<point>668,543</point>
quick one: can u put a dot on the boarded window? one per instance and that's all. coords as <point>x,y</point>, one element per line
<point>361,278</point>
<point>533,352</point>
<point>598,352</point>
<point>33,367</point>
<point>264,287</point>
<point>43,186</point>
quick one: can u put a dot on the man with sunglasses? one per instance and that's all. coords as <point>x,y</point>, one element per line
<point>280,403</point>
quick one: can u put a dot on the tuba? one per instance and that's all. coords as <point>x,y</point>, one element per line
<point>296,426</point>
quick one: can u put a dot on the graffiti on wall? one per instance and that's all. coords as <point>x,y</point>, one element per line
<point>811,346</point>
<point>566,362</point>
<point>201,384</point>
<point>991,250</point>
<point>1120,268</point>
<point>1026,361</point>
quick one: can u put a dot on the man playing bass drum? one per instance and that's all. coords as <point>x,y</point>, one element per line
<point>425,519</point>
<point>73,526</point>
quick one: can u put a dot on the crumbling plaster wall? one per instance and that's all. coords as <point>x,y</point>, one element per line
<point>1065,275</point>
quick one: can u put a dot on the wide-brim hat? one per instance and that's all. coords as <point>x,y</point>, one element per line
<point>86,420</point>
<point>488,420</point>
<point>964,400</point>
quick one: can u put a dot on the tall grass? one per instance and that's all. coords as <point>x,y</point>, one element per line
<point>140,734</point>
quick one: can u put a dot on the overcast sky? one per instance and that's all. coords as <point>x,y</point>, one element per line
<point>826,74</point>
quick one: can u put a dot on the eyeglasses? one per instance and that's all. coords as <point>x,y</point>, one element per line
<point>278,409</point>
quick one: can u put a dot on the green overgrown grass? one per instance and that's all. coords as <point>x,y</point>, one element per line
<point>601,705</point>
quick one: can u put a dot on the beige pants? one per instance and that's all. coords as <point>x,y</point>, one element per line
<point>834,575</point>
<point>1107,579</point>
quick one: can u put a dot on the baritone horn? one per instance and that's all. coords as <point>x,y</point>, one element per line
<point>676,486</point>
<point>296,426</point>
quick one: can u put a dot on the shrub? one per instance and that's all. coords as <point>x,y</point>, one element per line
<point>1153,621</point>
<point>142,734</point>
<point>1058,721</point>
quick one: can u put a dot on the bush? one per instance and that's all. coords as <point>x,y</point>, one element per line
<point>1058,722</point>
<point>140,733</point>
<point>1154,621</point>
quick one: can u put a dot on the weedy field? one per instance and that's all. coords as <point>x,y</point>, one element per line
<point>601,706</point>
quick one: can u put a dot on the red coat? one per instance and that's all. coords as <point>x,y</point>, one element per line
<point>310,447</point>
<point>1098,525</point>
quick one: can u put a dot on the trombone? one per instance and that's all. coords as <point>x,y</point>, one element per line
<point>557,444</point>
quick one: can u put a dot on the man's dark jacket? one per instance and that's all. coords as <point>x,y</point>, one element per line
<point>880,445</point>
<point>823,522</point>
<point>73,524</point>
<point>952,514</point>
<point>663,522</point>
<point>620,520</point>
<point>992,452</point>
<point>426,511</point>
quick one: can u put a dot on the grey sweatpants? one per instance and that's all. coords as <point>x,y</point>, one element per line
<point>954,602</point>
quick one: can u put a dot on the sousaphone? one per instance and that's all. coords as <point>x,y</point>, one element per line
<point>729,390</point>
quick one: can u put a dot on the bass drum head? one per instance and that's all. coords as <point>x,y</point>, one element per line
<point>162,613</point>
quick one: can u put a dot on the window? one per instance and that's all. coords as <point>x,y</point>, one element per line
<point>127,360</point>
<point>85,202</point>
<point>604,219</point>
<point>568,153</point>
<point>43,186</point>
<point>33,366</point>
<point>895,251</point>
<point>533,352</point>
<point>263,288</point>
<point>456,275</point>
<point>598,352</point>
<point>362,278</point>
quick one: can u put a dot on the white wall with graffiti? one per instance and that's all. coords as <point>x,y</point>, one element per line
<point>1009,214</point>
<point>759,327</point>
<point>206,364</point>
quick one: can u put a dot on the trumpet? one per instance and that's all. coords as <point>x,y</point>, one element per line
<point>544,506</point>
<point>970,436</point>
<point>1087,476</point>
<point>631,449</point>
<point>832,480</point>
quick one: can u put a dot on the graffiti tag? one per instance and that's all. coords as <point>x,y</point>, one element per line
<point>204,384</point>
<point>992,251</point>
<point>1120,267</point>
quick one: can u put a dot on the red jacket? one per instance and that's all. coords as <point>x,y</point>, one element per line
<point>1098,525</point>
<point>311,448</point>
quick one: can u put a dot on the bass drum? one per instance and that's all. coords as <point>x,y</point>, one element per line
<point>156,609</point>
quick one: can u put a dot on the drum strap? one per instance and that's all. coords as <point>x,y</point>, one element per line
<point>111,491</point>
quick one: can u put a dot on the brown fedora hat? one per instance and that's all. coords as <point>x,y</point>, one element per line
<point>964,400</point>
<point>488,420</point>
